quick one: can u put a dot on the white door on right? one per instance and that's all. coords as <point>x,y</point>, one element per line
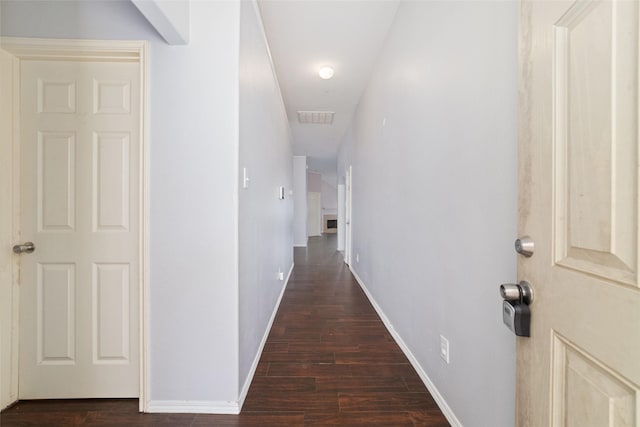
<point>579,169</point>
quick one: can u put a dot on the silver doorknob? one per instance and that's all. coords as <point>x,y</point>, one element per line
<point>27,247</point>
<point>524,246</point>
<point>517,292</point>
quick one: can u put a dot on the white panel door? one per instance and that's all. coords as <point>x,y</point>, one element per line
<point>579,195</point>
<point>79,150</point>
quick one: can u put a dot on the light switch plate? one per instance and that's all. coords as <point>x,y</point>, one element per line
<point>245,178</point>
<point>444,349</point>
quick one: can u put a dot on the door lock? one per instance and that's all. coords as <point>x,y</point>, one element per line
<point>516,313</point>
<point>27,247</point>
<point>524,246</point>
<point>517,292</point>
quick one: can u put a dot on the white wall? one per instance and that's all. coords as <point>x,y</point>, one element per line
<point>194,191</point>
<point>434,145</point>
<point>265,233</point>
<point>314,182</point>
<point>329,198</point>
<point>299,200</point>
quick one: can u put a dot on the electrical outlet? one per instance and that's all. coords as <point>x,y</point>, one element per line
<point>444,349</point>
<point>280,275</point>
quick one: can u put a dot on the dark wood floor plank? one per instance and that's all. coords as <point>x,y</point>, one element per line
<point>275,347</point>
<point>383,370</point>
<point>285,384</point>
<point>430,418</point>
<point>251,419</point>
<point>385,401</point>
<point>328,361</point>
<point>322,346</point>
<point>355,384</point>
<point>308,402</point>
<point>370,357</point>
<point>315,370</point>
<point>368,419</point>
<point>299,357</point>
<point>262,369</point>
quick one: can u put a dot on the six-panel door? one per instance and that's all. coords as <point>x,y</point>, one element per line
<point>80,205</point>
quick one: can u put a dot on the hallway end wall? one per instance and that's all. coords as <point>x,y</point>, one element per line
<point>434,152</point>
<point>265,221</point>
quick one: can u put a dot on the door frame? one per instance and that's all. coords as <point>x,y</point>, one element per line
<point>341,216</point>
<point>136,51</point>
<point>348,214</point>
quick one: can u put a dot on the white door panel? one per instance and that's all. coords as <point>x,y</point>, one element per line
<point>579,200</point>
<point>80,181</point>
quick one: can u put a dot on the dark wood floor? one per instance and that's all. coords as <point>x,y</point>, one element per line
<point>328,361</point>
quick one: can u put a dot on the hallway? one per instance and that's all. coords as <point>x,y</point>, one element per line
<point>330,356</point>
<point>328,361</point>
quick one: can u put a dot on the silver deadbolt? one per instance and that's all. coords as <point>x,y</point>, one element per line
<point>27,247</point>
<point>525,246</point>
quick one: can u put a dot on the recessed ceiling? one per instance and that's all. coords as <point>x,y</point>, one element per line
<point>305,35</point>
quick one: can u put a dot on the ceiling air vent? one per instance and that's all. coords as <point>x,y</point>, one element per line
<point>316,117</point>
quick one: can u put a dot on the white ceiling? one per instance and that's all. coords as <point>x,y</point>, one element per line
<point>304,35</point>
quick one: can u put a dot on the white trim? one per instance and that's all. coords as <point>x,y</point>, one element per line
<point>300,246</point>
<point>75,49</point>
<point>193,407</point>
<point>145,212</point>
<point>254,365</point>
<point>442,404</point>
<point>10,189</point>
<point>135,51</point>
<point>16,203</point>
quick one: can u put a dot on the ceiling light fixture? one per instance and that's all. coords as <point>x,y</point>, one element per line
<point>325,72</point>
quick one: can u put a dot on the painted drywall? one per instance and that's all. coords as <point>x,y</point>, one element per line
<point>329,198</point>
<point>434,154</point>
<point>265,232</point>
<point>345,153</point>
<point>194,190</point>
<point>170,18</point>
<point>314,182</point>
<point>300,201</point>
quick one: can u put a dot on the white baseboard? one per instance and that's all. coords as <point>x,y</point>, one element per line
<point>442,404</point>
<point>300,246</point>
<point>192,407</point>
<point>254,365</point>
